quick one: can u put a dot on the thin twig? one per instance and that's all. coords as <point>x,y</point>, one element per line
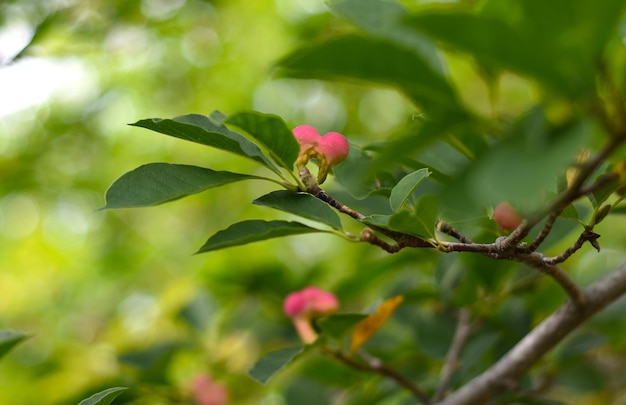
<point>377,366</point>
<point>545,231</point>
<point>449,230</point>
<point>587,236</point>
<point>463,331</point>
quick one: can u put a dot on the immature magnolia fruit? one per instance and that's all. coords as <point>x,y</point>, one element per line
<point>329,149</point>
<point>304,305</point>
<point>506,217</point>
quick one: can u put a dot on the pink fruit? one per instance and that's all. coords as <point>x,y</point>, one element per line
<point>310,301</point>
<point>334,146</point>
<point>306,136</point>
<point>506,217</point>
<point>329,149</point>
<point>304,305</point>
<point>206,391</point>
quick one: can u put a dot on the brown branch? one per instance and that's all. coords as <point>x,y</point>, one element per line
<point>587,236</point>
<point>449,230</point>
<point>377,366</point>
<point>463,331</point>
<point>545,231</point>
<point>504,374</point>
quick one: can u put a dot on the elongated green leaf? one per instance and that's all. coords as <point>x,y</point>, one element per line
<point>272,362</point>
<point>9,339</point>
<point>302,204</point>
<point>104,397</point>
<point>156,183</point>
<point>405,187</point>
<point>572,34</point>
<point>253,230</point>
<point>272,132</point>
<point>384,19</point>
<point>207,131</point>
<point>337,325</point>
<point>378,61</point>
<point>599,196</point>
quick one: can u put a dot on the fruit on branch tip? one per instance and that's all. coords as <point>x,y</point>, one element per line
<point>310,301</point>
<point>506,217</point>
<point>304,305</point>
<point>329,149</point>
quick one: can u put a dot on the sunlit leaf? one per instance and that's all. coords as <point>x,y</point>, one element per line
<point>405,187</point>
<point>272,132</point>
<point>156,183</point>
<point>9,339</point>
<point>368,326</point>
<point>302,204</point>
<point>377,61</point>
<point>571,34</point>
<point>272,362</point>
<point>207,131</point>
<point>337,325</point>
<point>104,397</point>
<point>254,230</point>
<point>384,19</point>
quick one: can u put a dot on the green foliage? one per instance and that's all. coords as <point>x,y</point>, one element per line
<point>103,398</point>
<point>10,339</point>
<point>249,231</point>
<point>497,101</point>
<point>301,204</point>
<point>272,362</point>
<point>157,183</point>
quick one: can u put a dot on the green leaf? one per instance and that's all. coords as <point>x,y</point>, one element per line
<point>272,132</point>
<point>272,362</point>
<point>104,397</point>
<point>384,19</point>
<point>523,35</point>
<point>419,223</point>
<point>157,183</point>
<point>254,230</point>
<point>354,173</point>
<point>9,339</point>
<point>337,325</point>
<point>302,204</point>
<point>207,131</point>
<point>405,187</point>
<point>378,61</point>
<point>599,196</point>
<point>525,166</point>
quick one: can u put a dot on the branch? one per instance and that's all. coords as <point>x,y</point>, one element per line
<point>504,375</point>
<point>376,365</point>
<point>463,330</point>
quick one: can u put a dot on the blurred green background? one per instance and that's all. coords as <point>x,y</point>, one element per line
<point>118,298</point>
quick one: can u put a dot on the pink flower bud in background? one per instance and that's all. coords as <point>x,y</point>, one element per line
<point>506,216</point>
<point>310,302</point>
<point>206,391</point>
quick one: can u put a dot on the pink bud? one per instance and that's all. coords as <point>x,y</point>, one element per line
<point>310,301</point>
<point>206,391</point>
<point>306,136</point>
<point>305,304</point>
<point>506,217</point>
<point>334,146</point>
